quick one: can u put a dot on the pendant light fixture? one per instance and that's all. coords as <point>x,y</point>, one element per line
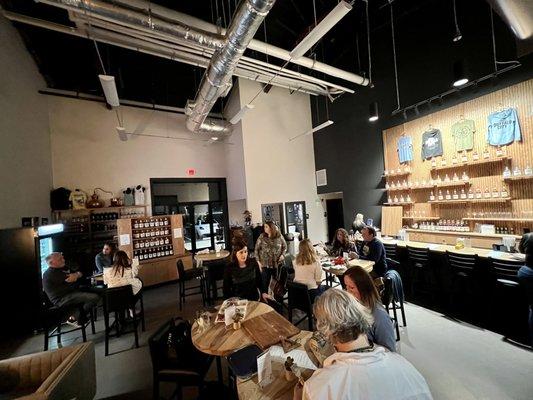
<point>458,35</point>
<point>459,74</point>
<point>373,114</point>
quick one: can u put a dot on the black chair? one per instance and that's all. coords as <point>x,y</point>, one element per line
<point>175,359</point>
<point>214,275</point>
<point>120,301</point>
<point>391,252</point>
<point>189,275</point>
<point>54,317</point>
<point>299,299</point>
<point>387,299</point>
<point>420,275</point>
<point>462,268</point>
<point>508,295</point>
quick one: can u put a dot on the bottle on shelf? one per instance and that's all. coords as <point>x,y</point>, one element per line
<point>475,156</point>
<point>395,199</point>
<point>405,185</point>
<point>455,195</point>
<point>499,151</point>
<point>463,193</point>
<point>464,157</point>
<point>443,162</point>
<point>486,154</point>
<point>455,178</point>
<point>433,163</point>
<point>454,160</point>
<point>504,193</point>
<point>448,195</point>
<point>487,193</point>
<point>431,196</point>
<point>393,185</point>
<point>389,199</point>
<point>470,193</point>
<point>528,171</point>
<point>516,171</point>
<point>465,177</point>
<point>439,179</point>
<point>402,200</point>
<point>446,178</point>
<point>441,197</point>
<point>495,192</point>
<point>479,194</point>
<point>408,198</point>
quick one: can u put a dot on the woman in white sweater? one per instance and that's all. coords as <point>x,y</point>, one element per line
<point>123,273</point>
<point>307,269</point>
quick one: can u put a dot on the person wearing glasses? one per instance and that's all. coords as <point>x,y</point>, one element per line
<point>62,288</point>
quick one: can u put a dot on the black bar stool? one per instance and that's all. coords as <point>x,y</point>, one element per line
<point>463,268</point>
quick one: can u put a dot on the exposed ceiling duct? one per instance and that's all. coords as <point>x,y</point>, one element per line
<point>217,78</point>
<point>518,14</point>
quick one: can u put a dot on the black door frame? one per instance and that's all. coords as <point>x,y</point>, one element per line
<point>287,204</point>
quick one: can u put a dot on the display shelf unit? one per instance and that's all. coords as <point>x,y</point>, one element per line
<point>518,178</point>
<point>459,201</point>
<point>452,184</point>
<point>472,163</point>
<point>470,234</point>
<point>497,219</point>
<point>397,189</point>
<point>400,204</point>
<point>422,218</point>
<point>397,174</point>
<point>487,200</point>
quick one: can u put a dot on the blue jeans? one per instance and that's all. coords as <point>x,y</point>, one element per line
<point>525,275</point>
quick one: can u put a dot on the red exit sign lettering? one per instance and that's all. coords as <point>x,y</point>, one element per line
<point>191,172</point>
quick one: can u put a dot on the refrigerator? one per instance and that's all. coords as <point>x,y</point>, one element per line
<point>22,263</point>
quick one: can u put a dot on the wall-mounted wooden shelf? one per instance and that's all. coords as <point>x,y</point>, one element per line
<point>397,189</point>
<point>425,187</point>
<point>399,204</point>
<point>422,218</point>
<point>518,178</point>
<point>471,163</point>
<point>452,183</point>
<point>499,219</point>
<point>487,200</point>
<point>396,174</point>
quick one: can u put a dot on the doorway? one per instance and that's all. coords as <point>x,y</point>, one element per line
<point>335,215</point>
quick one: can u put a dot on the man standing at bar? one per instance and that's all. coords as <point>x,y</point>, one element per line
<point>372,249</point>
<point>62,288</point>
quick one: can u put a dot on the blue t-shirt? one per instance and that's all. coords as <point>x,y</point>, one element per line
<point>405,149</point>
<point>503,127</point>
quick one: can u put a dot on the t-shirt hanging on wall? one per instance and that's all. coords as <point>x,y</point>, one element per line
<point>405,149</point>
<point>503,127</point>
<point>431,144</point>
<point>463,134</point>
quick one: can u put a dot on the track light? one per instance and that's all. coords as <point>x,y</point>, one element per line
<point>110,89</point>
<point>459,74</point>
<point>323,27</point>
<point>373,114</point>
<point>316,128</point>
<point>240,114</point>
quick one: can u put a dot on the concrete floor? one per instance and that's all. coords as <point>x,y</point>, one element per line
<point>459,361</point>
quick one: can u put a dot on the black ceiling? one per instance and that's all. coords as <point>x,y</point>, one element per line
<point>71,63</point>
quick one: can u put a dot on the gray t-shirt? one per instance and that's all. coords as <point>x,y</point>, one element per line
<point>431,144</point>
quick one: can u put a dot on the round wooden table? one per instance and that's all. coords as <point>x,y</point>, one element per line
<point>207,257</point>
<point>334,270</point>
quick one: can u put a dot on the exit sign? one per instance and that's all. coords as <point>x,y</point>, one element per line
<point>191,172</point>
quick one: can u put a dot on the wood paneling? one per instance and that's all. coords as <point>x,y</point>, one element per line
<point>482,176</point>
<point>391,220</point>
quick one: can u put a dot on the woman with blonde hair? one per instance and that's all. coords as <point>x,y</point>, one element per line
<point>307,269</point>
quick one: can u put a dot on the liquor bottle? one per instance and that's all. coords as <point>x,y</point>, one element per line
<point>455,195</point>
<point>499,152</point>
<point>475,156</point>
<point>465,177</point>
<point>441,197</point>
<point>486,154</point>
<point>385,173</point>
<point>408,198</point>
<point>135,224</point>
<point>393,185</point>
<point>395,199</point>
<point>516,171</point>
<point>504,193</point>
<point>439,180</point>
<point>495,192</point>
<point>448,195</point>
<point>402,200</point>
<point>405,183</point>
<point>479,195</point>
<point>167,241</point>
<point>443,162</point>
<point>431,196</point>
<point>399,170</point>
<point>464,157</point>
<point>433,163</point>
<point>446,178</point>
<point>454,160</point>
<point>389,200</point>
<point>463,193</point>
<point>455,177</point>
<point>487,193</point>
<point>141,244</point>
<point>528,171</point>
<point>387,186</point>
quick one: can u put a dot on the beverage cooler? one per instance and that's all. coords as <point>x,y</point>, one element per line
<point>22,262</point>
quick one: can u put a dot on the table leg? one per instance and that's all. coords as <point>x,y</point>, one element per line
<point>219,370</point>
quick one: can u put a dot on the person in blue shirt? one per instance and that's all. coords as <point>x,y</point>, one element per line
<point>372,249</point>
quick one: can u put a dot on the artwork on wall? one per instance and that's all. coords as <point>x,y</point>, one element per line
<point>273,212</point>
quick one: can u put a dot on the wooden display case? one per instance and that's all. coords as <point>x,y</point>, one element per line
<point>160,268</point>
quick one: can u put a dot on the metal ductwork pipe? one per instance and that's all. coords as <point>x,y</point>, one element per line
<point>149,23</point>
<point>217,78</point>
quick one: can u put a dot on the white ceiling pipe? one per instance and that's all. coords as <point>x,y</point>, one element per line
<point>256,45</point>
<point>158,51</point>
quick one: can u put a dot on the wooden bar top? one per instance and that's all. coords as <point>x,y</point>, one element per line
<point>441,248</point>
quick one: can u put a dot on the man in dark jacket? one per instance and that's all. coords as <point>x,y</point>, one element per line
<point>372,249</point>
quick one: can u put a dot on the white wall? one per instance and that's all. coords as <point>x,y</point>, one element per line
<point>87,152</point>
<point>25,162</point>
<point>278,170</point>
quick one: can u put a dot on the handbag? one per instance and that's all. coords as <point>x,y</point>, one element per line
<point>278,284</point>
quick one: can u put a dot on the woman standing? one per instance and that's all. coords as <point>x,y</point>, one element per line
<point>123,273</point>
<point>242,277</point>
<point>269,251</point>
<point>359,283</point>
<point>307,269</point>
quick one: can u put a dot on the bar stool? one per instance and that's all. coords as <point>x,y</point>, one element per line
<point>188,275</point>
<point>508,295</point>
<point>391,251</point>
<point>462,268</point>
<point>421,279</point>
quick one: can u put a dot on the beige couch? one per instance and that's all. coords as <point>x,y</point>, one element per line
<point>62,374</point>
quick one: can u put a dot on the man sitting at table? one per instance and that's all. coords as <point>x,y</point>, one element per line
<point>358,369</point>
<point>104,259</point>
<point>61,286</point>
<point>372,249</point>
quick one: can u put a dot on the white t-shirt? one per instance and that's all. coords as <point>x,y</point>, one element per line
<point>129,278</point>
<point>307,274</point>
<point>376,375</point>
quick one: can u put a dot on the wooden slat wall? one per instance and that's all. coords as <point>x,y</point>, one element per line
<point>519,96</point>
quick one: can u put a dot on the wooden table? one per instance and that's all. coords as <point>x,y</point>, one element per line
<point>207,257</point>
<point>442,248</point>
<point>367,265</point>
<point>279,388</point>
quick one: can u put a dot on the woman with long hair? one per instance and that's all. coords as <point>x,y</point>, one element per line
<point>242,277</point>
<point>270,251</point>
<point>341,244</point>
<point>359,283</point>
<point>307,269</point>
<point>123,273</point>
